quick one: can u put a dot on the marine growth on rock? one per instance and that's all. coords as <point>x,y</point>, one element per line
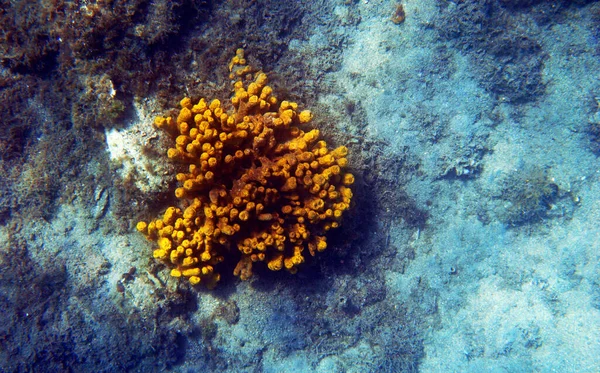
<point>258,185</point>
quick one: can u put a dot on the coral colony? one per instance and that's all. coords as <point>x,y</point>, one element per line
<point>259,186</point>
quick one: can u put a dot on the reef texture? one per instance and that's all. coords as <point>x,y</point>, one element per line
<point>257,181</point>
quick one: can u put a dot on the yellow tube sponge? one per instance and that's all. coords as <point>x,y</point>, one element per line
<point>255,185</point>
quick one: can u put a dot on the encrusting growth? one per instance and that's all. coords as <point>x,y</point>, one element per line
<point>256,181</point>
